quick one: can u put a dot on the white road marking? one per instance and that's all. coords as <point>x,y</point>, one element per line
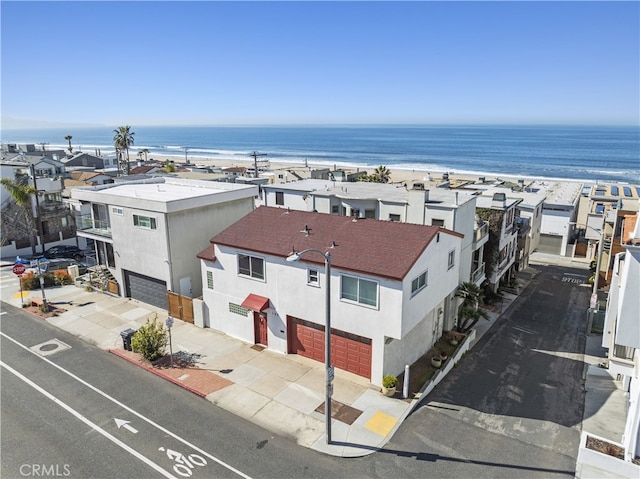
<point>122,423</point>
<point>92,425</point>
<point>132,411</point>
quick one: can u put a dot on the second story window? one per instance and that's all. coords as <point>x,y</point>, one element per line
<point>313,278</point>
<point>419,283</point>
<point>279,198</point>
<point>359,290</point>
<point>251,266</point>
<point>452,259</point>
<point>144,222</point>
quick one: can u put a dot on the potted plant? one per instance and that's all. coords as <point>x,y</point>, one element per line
<point>389,384</point>
<point>436,361</point>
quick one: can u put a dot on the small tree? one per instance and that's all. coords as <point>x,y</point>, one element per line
<point>150,340</point>
<point>470,312</point>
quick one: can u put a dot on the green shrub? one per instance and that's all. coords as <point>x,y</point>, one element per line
<point>31,281</point>
<point>389,381</point>
<point>150,340</point>
<point>61,278</point>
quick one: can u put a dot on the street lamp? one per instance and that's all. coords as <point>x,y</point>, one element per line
<point>327,333</point>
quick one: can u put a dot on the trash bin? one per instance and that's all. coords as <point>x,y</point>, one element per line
<point>127,334</point>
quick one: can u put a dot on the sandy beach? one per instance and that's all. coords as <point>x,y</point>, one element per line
<point>398,176</point>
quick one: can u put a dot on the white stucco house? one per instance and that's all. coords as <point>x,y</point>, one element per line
<point>453,210</point>
<point>147,232</point>
<point>621,335</point>
<point>392,286</point>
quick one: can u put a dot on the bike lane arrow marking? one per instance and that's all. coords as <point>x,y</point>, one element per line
<point>122,423</point>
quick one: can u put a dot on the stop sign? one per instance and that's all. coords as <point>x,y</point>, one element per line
<point>18,268</point>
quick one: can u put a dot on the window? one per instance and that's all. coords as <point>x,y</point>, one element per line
<point>437,222</point>
<point>210,279</point>
<point>335,209</point>
<point>116,210</point>
<point>419,283</point>
<point>355,212</point>
<point>394,217</point>
<point>452,259</point>
<point>370,214</point>
<point>359,290</point>
<point>144,222</point>
<point>279,198</point>
<point>237,309</point>
<point>313,278</point>
<point>251,266</point>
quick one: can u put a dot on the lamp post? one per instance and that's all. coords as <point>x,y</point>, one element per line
<point>327,333</point>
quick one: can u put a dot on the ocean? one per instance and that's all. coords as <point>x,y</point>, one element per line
<point>582,153</point>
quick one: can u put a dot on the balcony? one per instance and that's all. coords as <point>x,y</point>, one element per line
<point>478,276</point>
<point>86,224</point>
<point>480,236</point>
<point>53,208</point>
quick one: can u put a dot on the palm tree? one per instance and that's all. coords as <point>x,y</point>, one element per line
<point>470,312</point>
<point>68,138</point>
<point>381,174</point>
<point>122,140</point>
<point>23,221</point>
<point>146,153</point>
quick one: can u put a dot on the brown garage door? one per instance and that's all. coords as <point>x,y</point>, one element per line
<point>348,351</point>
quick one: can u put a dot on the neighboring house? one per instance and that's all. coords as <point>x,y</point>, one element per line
<point>91,178</point>
<point>528,213</point>
<point>392,287</point>
<point>500,250</point>
<point>622,330</point>
<point>437,207</point>
<point>53,218</point>
<point>559,215</point>
<point>602,228</point>
<point>146,169</point>
<point>30,153</point>
<point>85,160</point>
<point>234,171</point>
<point>148,232</point>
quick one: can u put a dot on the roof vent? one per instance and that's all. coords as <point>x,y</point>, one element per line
<point>418,186</point>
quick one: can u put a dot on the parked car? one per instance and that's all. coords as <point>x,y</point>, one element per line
<point>63,251</point>
<point>56,264</point>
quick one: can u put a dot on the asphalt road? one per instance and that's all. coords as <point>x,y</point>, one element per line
<point>513,406</point>
<point>59,416</point>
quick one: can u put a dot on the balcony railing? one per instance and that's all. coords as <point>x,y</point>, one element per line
<point>481,232</point>
<point>53,208</point>
<point>478,275</point>
<point>86,224</point>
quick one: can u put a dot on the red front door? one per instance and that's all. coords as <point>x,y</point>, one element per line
<point>260,328</point>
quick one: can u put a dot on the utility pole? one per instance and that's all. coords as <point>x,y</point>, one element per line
<point>186,148</point>
<point>32,167</point>
<point>255,156</point>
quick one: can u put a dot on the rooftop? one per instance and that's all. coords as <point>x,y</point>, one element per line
<point>164,194</point>
<point>361,245</point>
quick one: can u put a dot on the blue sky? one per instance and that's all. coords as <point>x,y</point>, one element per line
<point>230,63</point>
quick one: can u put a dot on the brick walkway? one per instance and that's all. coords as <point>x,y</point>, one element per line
<point>196,380</point>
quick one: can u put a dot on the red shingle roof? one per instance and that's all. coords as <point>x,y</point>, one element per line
<point>381,248</point>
